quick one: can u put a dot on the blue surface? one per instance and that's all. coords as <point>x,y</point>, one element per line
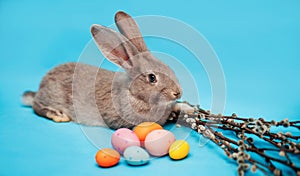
<point>257,43</point>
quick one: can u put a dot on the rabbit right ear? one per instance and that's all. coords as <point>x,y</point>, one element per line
<point>114,46</point>
<point>128,27</point>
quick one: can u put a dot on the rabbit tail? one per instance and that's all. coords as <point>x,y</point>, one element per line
<point>28,98</point>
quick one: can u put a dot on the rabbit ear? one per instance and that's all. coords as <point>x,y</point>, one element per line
<point>128,27</point>
<point>114,46</point>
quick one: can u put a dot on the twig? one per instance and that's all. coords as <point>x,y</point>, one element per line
<point>286,144</point>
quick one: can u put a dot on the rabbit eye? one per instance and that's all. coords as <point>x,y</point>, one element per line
<point>152,78</point>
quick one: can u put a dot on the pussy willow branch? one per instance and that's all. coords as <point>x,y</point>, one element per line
<point>245,129</point>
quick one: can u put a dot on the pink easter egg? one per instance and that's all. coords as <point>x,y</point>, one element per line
<point>158,142</point>
<point>123,138</point>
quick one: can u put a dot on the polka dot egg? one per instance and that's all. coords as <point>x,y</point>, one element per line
<point>158,142</point>
<point>136,156</point>
<point>124,138</point>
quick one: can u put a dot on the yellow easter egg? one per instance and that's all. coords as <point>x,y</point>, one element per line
<point>179,150</point>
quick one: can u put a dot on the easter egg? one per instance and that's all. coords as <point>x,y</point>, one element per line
<point>157,142</point>
<point>136,156</point>
<point>143,129</point>
<point>179,150</point>
<point>123,138</point>
<point>107,157</point>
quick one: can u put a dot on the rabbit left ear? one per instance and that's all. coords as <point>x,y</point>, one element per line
<point>128,27</point>
<point>114,46</point>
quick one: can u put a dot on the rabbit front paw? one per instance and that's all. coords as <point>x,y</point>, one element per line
<point>183,107</point>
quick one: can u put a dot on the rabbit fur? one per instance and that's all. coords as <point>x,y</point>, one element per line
<point>147,90</point>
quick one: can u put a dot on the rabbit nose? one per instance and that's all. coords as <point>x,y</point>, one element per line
<point>176,94</point>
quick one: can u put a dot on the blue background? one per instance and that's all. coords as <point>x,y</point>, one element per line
<point>257,43</point>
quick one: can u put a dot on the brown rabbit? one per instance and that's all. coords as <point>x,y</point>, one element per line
<point>89,95</point>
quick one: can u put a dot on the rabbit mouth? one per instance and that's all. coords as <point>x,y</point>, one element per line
<point>170,94</point>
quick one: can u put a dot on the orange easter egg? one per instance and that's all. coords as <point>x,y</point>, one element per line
<point>143,129</point>
<point>107,157</point>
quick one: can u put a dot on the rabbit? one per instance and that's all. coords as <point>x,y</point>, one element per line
<point>146,90</point>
